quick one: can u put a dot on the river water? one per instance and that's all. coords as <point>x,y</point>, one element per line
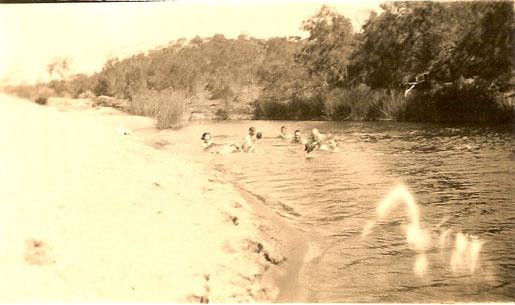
<point>403,213</point>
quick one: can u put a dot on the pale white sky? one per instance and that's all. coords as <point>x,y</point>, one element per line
<point>32,35</point>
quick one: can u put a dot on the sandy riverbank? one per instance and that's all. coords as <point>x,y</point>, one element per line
<point>90,214</point>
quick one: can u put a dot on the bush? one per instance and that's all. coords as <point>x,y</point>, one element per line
<point>393,104</point>
<point>357,103</point>
<point>336,107</point>
<point>459,102</point>
<point>45,91</point>
<point>362,103</point>
<point>166,106</point>
<point>269,109</point>
<point>221,114</point>
<point>41,100</point>
<point>296,108</point>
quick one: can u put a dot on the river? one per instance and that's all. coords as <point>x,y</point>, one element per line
<point>403,213</point>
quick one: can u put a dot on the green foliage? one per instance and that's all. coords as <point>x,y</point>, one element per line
<point>445,41</point>
<point>363,103</point>
<point>298,108</point>
<point>102,87</point>
<point>41,100</point>
<point>394,104</point>
<point>397,45</point>
<point>325,51</point>
<point>59,67</point>
<point>79,84</point>
<point>224,67</point>
<point>279,75</point>
<point>464,101</point>
<point>356,103</point>
<point>455,51</point>
<point>485,48</point>
<point>166,106</point>
<point>221,114</point>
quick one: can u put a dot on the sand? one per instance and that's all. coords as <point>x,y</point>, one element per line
<point>91,213</point>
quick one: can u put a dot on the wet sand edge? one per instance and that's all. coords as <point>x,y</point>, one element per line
<point>292,243</point>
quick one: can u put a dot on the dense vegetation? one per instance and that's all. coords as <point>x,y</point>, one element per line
<point>462,52</point>
<point>458,56</point>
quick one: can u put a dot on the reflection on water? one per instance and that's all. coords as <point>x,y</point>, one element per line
<point>445,234</point>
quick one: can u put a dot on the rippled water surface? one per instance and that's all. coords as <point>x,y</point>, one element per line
<point>461,177</point>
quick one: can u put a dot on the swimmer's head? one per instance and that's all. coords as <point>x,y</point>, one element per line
<point>296,134</point>
<point>206,136</point>
<point>259,135</point>
<point>283,129</point>
<point>315,132</point>
<point>252,131</point>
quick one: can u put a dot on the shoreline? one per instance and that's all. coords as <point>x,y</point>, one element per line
<point>293,243</point>
<point>119,220</point>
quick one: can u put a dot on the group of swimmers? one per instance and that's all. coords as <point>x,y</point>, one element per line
<point>314,141</point>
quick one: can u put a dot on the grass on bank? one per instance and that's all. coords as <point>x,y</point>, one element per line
<point>166,106</point>
<point>358,104</point>
<point>463,101</point>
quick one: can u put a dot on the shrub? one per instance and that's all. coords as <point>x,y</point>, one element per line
<point>357,103</point>
<point>458,102</point>
<point>41,94</point>
<point>296,108</point>
<point>41,100</point>
<point>393,104</point>
<point>270,109</point>
<point>335,106</point>
<point>166,106</point>
<point>221,114</point>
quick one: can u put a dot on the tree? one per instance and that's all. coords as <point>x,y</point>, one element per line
<point>445,41</point>
<point>279,74</point>
<point>327,48</point>
<point>397,45</point>
<point>485,48</point>
<point>59,67</point>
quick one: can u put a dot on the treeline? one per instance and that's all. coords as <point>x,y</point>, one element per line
<point>415,61</point>
<point>460,54</point>
<point>199,73</point>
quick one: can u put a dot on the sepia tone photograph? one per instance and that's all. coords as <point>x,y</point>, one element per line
<point>257,151</point>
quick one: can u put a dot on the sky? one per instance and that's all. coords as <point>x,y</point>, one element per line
<point>33,35</point>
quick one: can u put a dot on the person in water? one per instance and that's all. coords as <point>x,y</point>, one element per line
<point>321,142</point>
<point>297,138</point>
<point>315,140</point>
<point>248,142</point>
<point>207,143</point>
<point>259,135</point>
<point>329,144</point>
<point>284,133</point>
